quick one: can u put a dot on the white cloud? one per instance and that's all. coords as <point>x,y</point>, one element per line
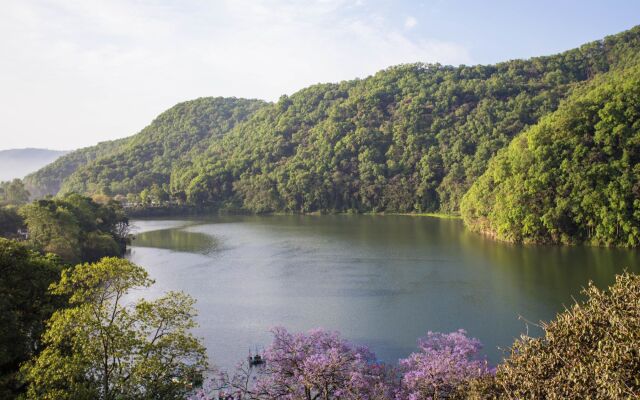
<point>74,72</point>
<point>410,22</point>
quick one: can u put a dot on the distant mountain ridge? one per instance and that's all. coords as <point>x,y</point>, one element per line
<point>17,163</point>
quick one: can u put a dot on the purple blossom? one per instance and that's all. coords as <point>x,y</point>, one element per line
<point>444,363</point>
<point>320,365</point>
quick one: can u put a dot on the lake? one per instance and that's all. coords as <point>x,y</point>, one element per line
<point>381,281</point>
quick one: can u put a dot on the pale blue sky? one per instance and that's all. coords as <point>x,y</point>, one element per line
<point>75,72</point>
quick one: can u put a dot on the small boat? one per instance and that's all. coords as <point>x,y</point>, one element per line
<point>255,360</point>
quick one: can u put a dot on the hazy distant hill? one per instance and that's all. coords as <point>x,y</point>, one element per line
<point>16,163</point>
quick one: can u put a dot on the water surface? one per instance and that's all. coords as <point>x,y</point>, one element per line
<point>382,281</point>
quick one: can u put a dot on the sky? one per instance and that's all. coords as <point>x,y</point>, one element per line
<point>77,72</point>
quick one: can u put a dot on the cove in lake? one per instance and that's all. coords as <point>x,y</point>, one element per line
<point>381,281</point>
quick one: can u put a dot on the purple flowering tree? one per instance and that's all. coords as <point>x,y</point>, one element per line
<point>320,365</point>
<point>317,365</point>
<point>444,365</point>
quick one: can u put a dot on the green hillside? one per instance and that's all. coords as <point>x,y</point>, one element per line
<point>410,138</point>
<point>129,165</point>
<point>48,179</point>
<point>574,177</point>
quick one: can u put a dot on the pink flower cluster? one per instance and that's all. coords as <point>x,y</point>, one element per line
<point>444,363</point>
<point>320,365</point>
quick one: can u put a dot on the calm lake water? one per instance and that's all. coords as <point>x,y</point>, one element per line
<point>382,281</point>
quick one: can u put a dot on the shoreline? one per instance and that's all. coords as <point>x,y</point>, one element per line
<point>170,212</point>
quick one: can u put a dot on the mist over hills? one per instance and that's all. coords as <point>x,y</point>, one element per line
<point>17,163</point>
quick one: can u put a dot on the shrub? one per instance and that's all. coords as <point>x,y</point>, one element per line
<point>591,350</point>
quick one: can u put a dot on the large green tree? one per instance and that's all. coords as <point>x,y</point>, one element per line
<point>107,346</point>
<point>76,228</point>
<point>25,303</point>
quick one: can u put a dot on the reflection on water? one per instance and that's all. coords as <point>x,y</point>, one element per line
<point>178,240</point>
<point>382,281</point>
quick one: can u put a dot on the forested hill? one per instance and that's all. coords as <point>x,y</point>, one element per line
<point>573,177</point>
<point>132,164</point>
<point>48,179</point>
<point>410,138</point>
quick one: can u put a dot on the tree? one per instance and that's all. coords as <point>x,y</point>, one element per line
<point>317,365</point>
<point>24,278</point>
<point>588,351</point>
<point>13,192</point>
<point>145,196</point>
<point>10,222</point>
<point>443,368</point>
<point>158,194</point>
<point>98,245</point>
<point>53,228</point>
<point>101,347</point>
<point>574,177</point>
<point>76,228</point>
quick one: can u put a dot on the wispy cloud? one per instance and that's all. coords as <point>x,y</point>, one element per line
<point>410,22</point>
<point>93,70</point>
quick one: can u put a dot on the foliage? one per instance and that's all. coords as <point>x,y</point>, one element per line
<point>321,365</point>
<point>10,222</point>
<point>443,368</point>
<point>13,193</point>
<point>313,365</point>
<point>47,180</point>
<point>76,228</point>
<point>589,351</point>
<point>146,160</point>
<point>574,177</point>
<point>411,138</point>
<point>103,348</point>
<point>24,278</point>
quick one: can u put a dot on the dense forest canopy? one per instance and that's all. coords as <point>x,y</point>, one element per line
<point>573,177</point>
<point>13,192</point>
<point>76,228</point>
<point>411,138</point>
<point>132,164</point>
<point>47,180</point>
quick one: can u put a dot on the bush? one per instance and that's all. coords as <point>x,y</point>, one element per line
<point>591,350</point>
